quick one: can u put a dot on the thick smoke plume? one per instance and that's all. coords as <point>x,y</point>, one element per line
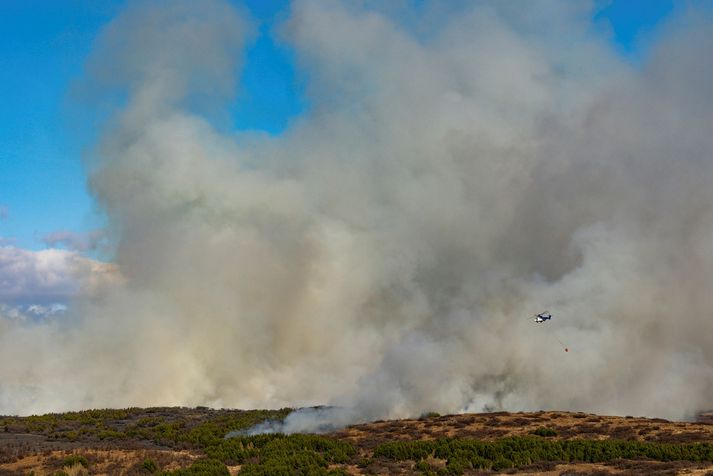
<point>457,171</point>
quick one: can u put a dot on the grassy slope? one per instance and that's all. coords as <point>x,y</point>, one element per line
<point>159,439</point>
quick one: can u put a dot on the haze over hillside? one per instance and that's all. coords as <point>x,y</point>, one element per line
<point>459,169</point>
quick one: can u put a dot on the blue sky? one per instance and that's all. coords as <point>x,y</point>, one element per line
<point>43,46</point>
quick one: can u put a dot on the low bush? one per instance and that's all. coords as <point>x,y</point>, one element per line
<point>75,459</point>
<point>149,465</point>
<point>277,454</point>
<point>203,467</point>
<point>543,431</point>
<point>523,451</point>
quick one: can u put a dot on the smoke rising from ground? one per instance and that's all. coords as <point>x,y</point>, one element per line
<point>383,254</point>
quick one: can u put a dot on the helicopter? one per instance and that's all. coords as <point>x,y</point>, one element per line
<point>542,317</point>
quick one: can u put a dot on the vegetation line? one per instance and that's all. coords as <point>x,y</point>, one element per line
<point>512,452</point>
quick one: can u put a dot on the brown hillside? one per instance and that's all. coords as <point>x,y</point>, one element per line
<point>120,441</point>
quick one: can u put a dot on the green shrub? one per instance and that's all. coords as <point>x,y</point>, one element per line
<point>521,451</point>
<point>278,454</point>
<point>543,431</point>
<point>401,450</point>
<point>150,465</point>
<point>203,467</point>
<point>424,468</point>
<point>457,465</point>
<point>501,463</point>
<point>75,459</point>
<point>111,435</point>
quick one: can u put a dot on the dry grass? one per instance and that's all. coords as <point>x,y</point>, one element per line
<point>490,426</point>
<point>101,461</point>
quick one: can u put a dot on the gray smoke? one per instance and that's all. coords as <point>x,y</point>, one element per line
<point>457,172</point>
<point>304,420</point>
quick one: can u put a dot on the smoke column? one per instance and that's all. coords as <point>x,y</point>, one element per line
<point>457,172</point>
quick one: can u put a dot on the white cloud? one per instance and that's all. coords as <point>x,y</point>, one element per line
<point>4,212</point>
<point>48,276</point>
